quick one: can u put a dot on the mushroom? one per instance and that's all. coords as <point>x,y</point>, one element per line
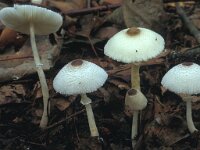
<point>134,45</point>
<point>29,19</point>
<point>134,102</point>
<point>81,77</point>
<point>184,79</point>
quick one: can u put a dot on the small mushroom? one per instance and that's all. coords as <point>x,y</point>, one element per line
<point>134,102</point>
<point>134,45</point>
<point>184,79</point>
<point>81,77</point>
<point>29,19</point>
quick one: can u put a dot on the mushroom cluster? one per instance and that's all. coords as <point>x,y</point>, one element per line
<point>29,19</point>
<point>81,77</point>
<point>184,79</point>
<point>134,45</point>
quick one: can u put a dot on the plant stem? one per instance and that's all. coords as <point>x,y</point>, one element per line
<point>135,76</point>
<point>41,75</point>
<point>134,127</point>
<point>190,122</point>
<point>91,121</point>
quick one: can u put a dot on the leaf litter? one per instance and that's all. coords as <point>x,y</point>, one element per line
<point>163,124</point>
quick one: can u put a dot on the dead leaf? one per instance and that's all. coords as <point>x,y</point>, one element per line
<point>17,65</point>
<point>62,104</point>
<point>106,32</point>
<point>120,84</point>
<point>195,17</point>
<point>11,93</point>
<point>10,37</point>
<point>140,13</point>
<point>69,5</point>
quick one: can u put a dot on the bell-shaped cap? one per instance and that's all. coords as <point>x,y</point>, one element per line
<point>183,79</point>
<point>79,77</point>
<point>135,100</point>
<point>20,17</point>
<point>134,45</point>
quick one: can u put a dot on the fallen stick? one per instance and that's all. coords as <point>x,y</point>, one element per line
<point>193,30</point>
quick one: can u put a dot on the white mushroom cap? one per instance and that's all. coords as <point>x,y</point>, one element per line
<point>135,100</point>
<point>183,78</point>
<point>20,17</point>
<point>79,77</point>
<point>134,45</point>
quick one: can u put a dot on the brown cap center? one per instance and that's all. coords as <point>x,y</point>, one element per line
<point>132,92</point>
<point>133,31</point>
<point>187,63</point>
<point>77,62</point>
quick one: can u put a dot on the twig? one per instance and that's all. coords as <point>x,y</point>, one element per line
<point>91,10</point>
<point>193,30</point>
<point>12,57</point>
<point>63,120</point>
<point>92,46</point>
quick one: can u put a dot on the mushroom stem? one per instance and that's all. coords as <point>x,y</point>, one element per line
<point>91,121</point>
<point>190,122</point>
<point>134,131</point>
<point>135,76</point>
<point>41,75</point>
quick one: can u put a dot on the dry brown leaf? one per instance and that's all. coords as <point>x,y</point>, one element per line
<point>106,32</point>
<point>62,104</point>
<point>69,5</point>
<point>10,93</point>
<point>17,65</point>
<point>10,37</point>
<point>89,23</point>
<point>195,17</point>
<point>120,84</point>
<point>142,13</point>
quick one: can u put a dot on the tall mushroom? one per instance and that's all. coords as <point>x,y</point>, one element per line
<point>184,79</point>
<point>134,45</point>
<point>33,20</point>
<point>81,77</point>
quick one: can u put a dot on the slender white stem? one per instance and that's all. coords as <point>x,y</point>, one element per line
<point>134,128</point>
<point>190,122</point>
<point>91,121</point>
<point>41,75</point>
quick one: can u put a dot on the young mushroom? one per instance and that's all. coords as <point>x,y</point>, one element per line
<point>134,102</point>
<point>184,79</point>
<point>81,77</point>
<point>29,19</point>
<point>134,45</point>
